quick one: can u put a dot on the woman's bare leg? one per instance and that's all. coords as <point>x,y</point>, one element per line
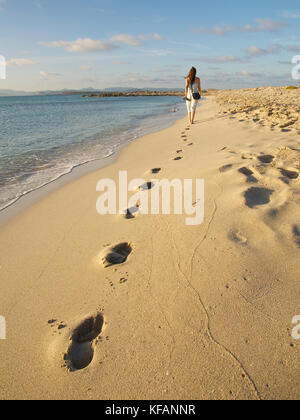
<point>190,117</point>
<point>193,117</point>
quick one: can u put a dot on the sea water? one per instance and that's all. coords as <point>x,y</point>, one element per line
<point>44,137</point>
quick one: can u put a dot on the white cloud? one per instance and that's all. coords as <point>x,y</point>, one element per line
<point>256,51</point>
<point>253,50</point>
<point>153,37</point>
<point>294,48</point>
<point>20,62</point>
<point>143,80</point>
<point>261,25</point>
<point>126,39</point>
<point>217,30</point>
<point>264,25</point>
<point>247,74</point>
<point>136,41</point>
<point>90,45</point>
<point>121,63</point>
<point>223,59</point>
<point>291,14</point>
<point>47,76</point>
<point>244,79</point>
<point>81,45</point>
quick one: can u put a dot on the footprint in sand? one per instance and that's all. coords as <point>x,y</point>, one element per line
<point>249,174</point>
<point>147,186</point>
<point>225,168</point>
<point>258,196</point>
<point>81,350</point>
<point>238,237</point>
<point>266,158</point>
<point>178,158</point>
<point>116,254</point>
<point>296,233</point>
<point>155,170</point>
<point>246,171</point>
<point>129,213</point>
<point>191,144</point>
<point>289,174</point>
<point>179,151</point>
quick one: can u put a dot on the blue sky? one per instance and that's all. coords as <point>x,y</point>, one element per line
<point>74,44</point>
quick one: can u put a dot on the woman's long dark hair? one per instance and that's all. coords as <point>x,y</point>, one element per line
<point>192,75</point>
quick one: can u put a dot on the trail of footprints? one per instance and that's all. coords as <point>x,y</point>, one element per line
<point>286,163</point>
<point>84,338</point>
<point>130,213</point>
<point>184,137</point>
<point>259,196</point>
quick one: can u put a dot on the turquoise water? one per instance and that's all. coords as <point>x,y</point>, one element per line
<point>45,137</point>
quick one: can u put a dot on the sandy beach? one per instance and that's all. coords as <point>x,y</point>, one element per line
<point>188,312</point>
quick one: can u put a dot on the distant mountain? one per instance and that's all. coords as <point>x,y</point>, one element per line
<point>9,92</point>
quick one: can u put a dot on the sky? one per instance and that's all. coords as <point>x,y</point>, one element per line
<point>76,44</point>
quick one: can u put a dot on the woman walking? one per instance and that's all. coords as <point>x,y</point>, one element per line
<point>193,93</point>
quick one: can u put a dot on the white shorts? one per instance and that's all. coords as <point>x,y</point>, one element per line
<point>191,105</point>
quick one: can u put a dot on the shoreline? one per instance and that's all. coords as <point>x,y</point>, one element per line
<point>31,197</point>
<point>192,312</point>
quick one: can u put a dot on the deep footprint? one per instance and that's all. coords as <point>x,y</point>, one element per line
<point>266,158</point>
<point>156,170</point>
<point>117,254</point>
<point>246,171</point>
<point>257,197</point>
<point>147,186</point>
<point>81,350</point>
<point>178,158</point>
<point>129,213</point>
<point>289,174</point>
<point>225,168</point>
<point>249,174</point>
<point>296,233</point>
